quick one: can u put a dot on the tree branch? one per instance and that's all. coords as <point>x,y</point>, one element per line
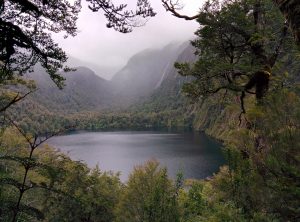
<point>15,100</point>
<point>35,141</point>
<point>171,7</point>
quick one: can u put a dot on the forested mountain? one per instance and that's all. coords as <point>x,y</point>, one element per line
<point>135,98</point>
<point>83,91</point>
<point>148,75</point>
<point>105,71</point>
<point>168,93</point>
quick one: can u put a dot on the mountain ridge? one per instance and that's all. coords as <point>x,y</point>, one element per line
<point>146,75</point>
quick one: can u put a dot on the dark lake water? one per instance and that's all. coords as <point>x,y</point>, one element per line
<point>192,153</point>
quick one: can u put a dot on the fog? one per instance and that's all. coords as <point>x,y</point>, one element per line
<point>105,50</point>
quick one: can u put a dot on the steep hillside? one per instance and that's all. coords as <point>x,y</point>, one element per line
<point>105,72</point>
<point>83,90</point>
<point>145,93</point>
<point>167,95</point>
<point>170,88</point>
<point>144,73</point>
<point>150,71</point>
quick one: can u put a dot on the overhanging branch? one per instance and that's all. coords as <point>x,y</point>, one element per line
<point>172,7</point>
<point>15,100</point>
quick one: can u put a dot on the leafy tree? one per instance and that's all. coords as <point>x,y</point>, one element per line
<point>239,48</point>
<point>93,193</point>
<point>22,184</point>
<point>192,202</point>
<point>26,28</point>
<point>289,8</point>
<point>148,196</point>
<point>261,179</point>
<point>49,185</point>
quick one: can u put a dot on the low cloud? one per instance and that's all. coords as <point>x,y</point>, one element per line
<point>105,47</point>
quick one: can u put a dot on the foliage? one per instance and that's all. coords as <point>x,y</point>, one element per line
<point>26,39</point>
<point>34,118</point>
<point>148,196</point>
<point>239,48</point>
<point>290,9</point>
<point>240,40</point>
<point>92,193</point>
<point>119,18</point>
<point>54,187</point>
<point>26,28</point>
<point>261,181</point>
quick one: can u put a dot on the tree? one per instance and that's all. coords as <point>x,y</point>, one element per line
<point>149,196</point>
<point>93,193</point>
<point>289,8</point>
<point>29,163</point>
<point>241,45</point>
<point>244,44</point>
<point>26,28</point>
<point>38,182</point>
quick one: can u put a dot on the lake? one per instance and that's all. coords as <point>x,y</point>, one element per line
<point>193,153</point>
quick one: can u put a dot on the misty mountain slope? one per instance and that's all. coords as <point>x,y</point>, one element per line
<point>172,83</point>
<point>148,78</point>
<point>93,102</point>
<point>105,72</point>
<point>83,90</point>
<point>168,94</point>
<point>144,73</point>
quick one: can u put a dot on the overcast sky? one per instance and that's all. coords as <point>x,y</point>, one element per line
<point>107,48</point>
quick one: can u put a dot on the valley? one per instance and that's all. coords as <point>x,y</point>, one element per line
<point>145,94</point>
<point>140,126</point>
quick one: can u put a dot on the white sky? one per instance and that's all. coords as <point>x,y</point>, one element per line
<point>105,47</point>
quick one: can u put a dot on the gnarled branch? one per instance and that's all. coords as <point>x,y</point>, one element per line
<point>173,7</point>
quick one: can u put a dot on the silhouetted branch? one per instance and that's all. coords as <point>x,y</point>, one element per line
<point>16,99</point>
<point>28,163</point>
<point>35,141</point>
<point>173,7</point>
<point>119,18</point>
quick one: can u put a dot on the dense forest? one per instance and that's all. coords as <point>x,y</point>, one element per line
<point>238,81</point>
